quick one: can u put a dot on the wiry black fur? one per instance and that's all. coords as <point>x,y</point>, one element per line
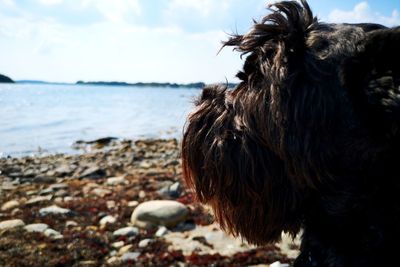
<point>308,139</point>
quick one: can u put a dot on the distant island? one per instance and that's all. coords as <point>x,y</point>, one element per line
<point>197,85</point>
<point>141,84</point>
<point>5,79</point>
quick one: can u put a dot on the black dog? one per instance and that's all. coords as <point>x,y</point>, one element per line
<point>309,139</point>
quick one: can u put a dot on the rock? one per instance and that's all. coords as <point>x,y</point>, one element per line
<point>161,231</point>
<point>175,190</point>
<point>171,190</point>
<point>207,239</point>
<point>289,246</point>
<point>111,204</point>
<point>101,192</point>
<point>71,224</point>
<point>126,231</point>
<point>124,249</point>
<point>142,194</point>
<point>43,180</point>
<point>36,227</point>
<point>29,173</point>
<point>159,212</point>
<point>130,256</point>
<point>7,186</point>
<point>9,224</point>
<point>15,174</point>
<point>145,165</point>
<point>145,242</point>
<point>61,193</point>
<point>46,191</point>
<point>113,253</point>
<point>279,264</point>
<point>63,170</point>
<point>53,210</point>
<point>107,220</point>
<point>10,205</point>
<point>118,244</point>
<point>133,203</point>
<point>112,260</point>
<point>98,143</point>
<point>185,226</point>
<point>93,172</point>
<point>53,234</point>
<point>68,199</point>
<point>58,186</point>
<point>31,192</point>
<point>116,180</point>
<point>92,228</point>
<point>38,199</point>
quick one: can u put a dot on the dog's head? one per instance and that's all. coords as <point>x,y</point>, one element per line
<point>296,122</point>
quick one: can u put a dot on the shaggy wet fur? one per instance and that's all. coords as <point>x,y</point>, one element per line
<point>308,140</point>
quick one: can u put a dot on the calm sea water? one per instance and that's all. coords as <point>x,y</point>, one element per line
<point>51,117</point>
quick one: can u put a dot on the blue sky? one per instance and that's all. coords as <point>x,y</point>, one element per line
<point>143,40</point>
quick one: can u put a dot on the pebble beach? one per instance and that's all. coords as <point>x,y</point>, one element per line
<point>115,203</point>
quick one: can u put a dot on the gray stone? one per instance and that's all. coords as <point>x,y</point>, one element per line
<point>130,256</point>
<point>61,193</point>
<point>142,194</point>
<point>118,244</point>
<point>63,170</point>
<point>112,260</point>
<point>53,234</point>
<point>15,174</point>
<point>279,264</point>
<point>29,173</point>
<point>43,180</point>
<point>71,224</point>
<point>161,231</point>
<point>133,203</point>
<point>53,210</point>
<point>171,190</point>
<point>36,227</point>
<point>107,220</point>
<point>58,186</point>
<point>159,212</point>
<point>46,191</point>
<point>93,172</point>
<point>126,231</point>
<point>38,199</point>
<point>145,242</point>
<point>9,224</point>
<point>125,249</point>
<point>101,192</point>
<point>116,180</point>
<point>10,205</point>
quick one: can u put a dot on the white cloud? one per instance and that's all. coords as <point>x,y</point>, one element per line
<point>50,2</point>
<point>116,10</point>
<point>37,48</point>
<point>362,12</point>
<point>9,3</point>
<point>204,7</point>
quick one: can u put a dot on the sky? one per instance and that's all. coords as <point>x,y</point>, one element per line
<point>144,40</point>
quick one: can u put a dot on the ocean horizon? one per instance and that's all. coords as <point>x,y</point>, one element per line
<point>49,118</point>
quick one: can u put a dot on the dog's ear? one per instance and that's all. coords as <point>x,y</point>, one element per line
<point>229,158</point>
<point>277,39</point>
<point>372,79</point>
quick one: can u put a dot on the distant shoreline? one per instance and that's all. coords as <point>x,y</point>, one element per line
<point>141,84</point>
<point>197,85</point>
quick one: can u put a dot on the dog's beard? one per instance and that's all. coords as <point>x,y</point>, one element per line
<point>229,160</point>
